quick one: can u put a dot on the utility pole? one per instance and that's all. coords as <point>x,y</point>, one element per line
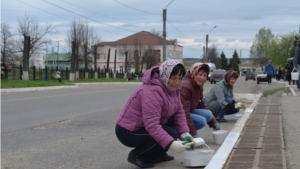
<point>164,31</point>
<point>206,44</point>
<point>164,34</point>
<point>52,56</point>
<point>206,56</point>
<point>57,53</point>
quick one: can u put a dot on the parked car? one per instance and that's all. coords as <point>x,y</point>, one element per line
<point>250,75</point>
<point>217,75</point>
<point>261,77</point>
<point>212,67</point>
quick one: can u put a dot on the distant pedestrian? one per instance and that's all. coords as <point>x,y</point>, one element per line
<point>269,70</point>
<point>129,76</point>
<point>278,74</point>
<point>289,67</point>
<point>58,77</point>
<point>297,61</point>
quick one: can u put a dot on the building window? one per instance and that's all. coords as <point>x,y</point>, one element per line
<point>121,68</point>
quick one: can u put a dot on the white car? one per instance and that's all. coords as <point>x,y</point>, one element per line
<point>261,77</point>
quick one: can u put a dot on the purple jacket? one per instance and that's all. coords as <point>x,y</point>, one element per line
<point>150,106</point>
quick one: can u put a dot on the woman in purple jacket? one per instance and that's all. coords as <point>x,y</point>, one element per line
<point>142,123</point>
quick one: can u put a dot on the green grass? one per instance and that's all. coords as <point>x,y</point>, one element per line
<point>270,92</point>
<point>7,83</point>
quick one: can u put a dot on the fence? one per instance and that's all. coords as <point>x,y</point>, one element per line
<point>34,73</point>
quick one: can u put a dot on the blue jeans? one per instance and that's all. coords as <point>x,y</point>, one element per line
<point>145,147</point>
<point>226,111</point>
<point>201,117</point>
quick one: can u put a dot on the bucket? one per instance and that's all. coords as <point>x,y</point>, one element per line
<point>238,116</point>
<point>219,136</point>
<point>198,157</point>
<point>295,75</point>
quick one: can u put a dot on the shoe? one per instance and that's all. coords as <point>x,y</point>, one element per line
<point>133,160</point>
<point>222,120</point>
<point>165,158</point>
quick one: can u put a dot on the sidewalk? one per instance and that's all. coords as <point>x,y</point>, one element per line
<point>270,138</point>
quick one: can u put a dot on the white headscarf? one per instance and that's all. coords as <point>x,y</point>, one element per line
<point>165,70</point>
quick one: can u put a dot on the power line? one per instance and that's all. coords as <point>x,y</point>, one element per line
<point>177,29</point>
<point>84,16</point>
<point>58,15</point>
<point>92,11</point>
<point>136,9</point>
<point>42,9</point>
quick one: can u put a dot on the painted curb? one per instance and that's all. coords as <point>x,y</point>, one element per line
<point>220,157</point>
<point>36,89</point>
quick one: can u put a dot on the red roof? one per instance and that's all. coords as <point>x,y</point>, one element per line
<point>140,38</point>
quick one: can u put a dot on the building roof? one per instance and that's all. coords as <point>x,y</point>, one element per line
<point>140,38</point>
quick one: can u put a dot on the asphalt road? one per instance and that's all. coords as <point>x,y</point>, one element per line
<point>74,128</point>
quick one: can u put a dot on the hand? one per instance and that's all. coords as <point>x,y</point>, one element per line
<point>188,140</point>
<point>233,101</point>
<point>178,146</point>
<point>239,105</point>
<point>216,126</point>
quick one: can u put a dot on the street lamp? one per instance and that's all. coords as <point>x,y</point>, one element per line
<point>164,31</point>
<point>207,43</point>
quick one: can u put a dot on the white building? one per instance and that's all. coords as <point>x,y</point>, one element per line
<point>37,60</point>
<point>139,42</point>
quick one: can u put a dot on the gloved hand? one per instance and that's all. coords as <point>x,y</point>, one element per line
<point>178,146</point>
<point>233,101</point>
<point>230,106</point>
<point>216,126</point>
<point>188,140</point>
<point>239,105</point>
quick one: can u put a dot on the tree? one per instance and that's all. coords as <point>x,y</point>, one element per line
<point>234,62</point>
<point>224,62</point>
<point>282,47</point>
<point>37,32</point>
<point>258,50</point>
<point>7,44</point>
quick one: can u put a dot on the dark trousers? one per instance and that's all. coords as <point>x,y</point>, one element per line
<point>288,78</point>
<point>145,147</point>
<point>269,78</point>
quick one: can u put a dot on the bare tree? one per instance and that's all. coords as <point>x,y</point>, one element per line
<point>37,32</point>
<point>7,44</point>
<point>74,35</point>
<point>84,37</point>
<point>213,56</point>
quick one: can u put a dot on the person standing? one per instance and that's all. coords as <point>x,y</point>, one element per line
<point>191,95</point>
<point>220,98</point>
<point>289,67</point>
<point>142,124</point>
<point>297,61</point>
<point>269,70</point>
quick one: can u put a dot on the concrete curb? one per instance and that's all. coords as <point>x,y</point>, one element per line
<point>220,157</point>
<point>11,90</point>
<point>36,89</point>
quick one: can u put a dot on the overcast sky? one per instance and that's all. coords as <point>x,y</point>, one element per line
<point>188,21</point>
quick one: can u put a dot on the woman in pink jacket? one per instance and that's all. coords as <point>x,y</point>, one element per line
<point>142,123</point>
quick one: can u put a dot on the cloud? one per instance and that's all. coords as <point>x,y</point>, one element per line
<point>251,18</point>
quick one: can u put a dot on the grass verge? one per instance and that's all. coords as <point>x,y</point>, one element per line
<point>270,92</point>
<point>6,84</point>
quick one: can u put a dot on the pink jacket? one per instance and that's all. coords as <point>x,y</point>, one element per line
<point>150,106</point>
